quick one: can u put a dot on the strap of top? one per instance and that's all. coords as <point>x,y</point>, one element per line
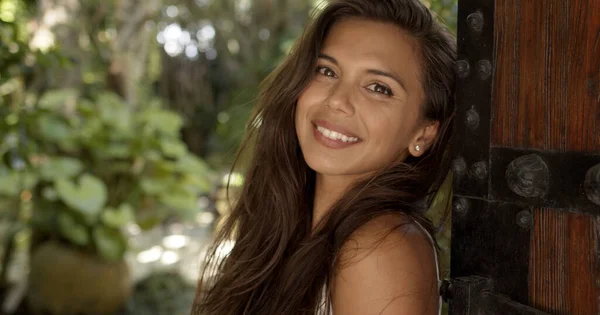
<point>437,264</point>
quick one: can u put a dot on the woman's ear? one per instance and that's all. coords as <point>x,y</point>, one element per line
<point>424,138</point>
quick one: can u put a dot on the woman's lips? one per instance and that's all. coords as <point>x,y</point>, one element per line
<point>334,127</point>
<point>330,143</point>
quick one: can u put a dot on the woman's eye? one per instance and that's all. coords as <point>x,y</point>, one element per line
<point>326,72</point>
<point>381,89</point>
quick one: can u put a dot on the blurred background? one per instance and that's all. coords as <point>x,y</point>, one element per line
<point>119,121</point>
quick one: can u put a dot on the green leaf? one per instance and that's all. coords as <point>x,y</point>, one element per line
<point>109,243</point>
<point>198,183</point>
<point>88,196</point>
<point>173,148</point>
<point>117,150</point>
<point>114,111</point>
<point>179,200</point>
<point>58,99</point>
<point>86,107</point>
<point>8,184</point>
<point>117,218</point>
<point>54,128</point>
<point>190,163</point>
<point>152,155</point>
<point>153,186</point>
<point>60,167</point>
<point>90,128</point>
<point>72,230</point>
<point>164,167</point>
<point>13,182</point>
<point>163,121</point>
<point>29,180</point>
<point>149,221</point>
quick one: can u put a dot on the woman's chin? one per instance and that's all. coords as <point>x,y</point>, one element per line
<point>330,168</point>
<point>334,168</point>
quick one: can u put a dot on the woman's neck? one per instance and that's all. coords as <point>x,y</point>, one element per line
<point>328,190</point>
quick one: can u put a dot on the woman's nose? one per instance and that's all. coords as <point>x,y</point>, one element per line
<point>341,98</point>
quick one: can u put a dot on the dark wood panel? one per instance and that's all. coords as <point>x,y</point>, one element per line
<point>563,264</point>
<point>488,242</point>
<point>546,95</point>
<point>546,92</point>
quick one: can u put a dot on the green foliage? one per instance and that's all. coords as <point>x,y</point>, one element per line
<point>446,11</point>
<point>99,164</point>
<point>72,230</point>
<point>117,218</point>
<point>110,243</point>
<point>87,196</point>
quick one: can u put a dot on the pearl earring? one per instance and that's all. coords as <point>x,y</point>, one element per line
<point>418,148</point>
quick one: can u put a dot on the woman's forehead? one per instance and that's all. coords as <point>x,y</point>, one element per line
<point>380,42</point>
<point>367,44</point>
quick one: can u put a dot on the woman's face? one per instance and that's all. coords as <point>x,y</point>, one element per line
<point>362,109</point>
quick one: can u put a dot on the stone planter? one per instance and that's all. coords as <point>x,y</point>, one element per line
<point>67,281</point>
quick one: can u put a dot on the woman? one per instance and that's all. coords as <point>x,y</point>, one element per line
<point>349,142</point>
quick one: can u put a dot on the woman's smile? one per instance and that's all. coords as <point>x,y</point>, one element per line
<point>333,136</point>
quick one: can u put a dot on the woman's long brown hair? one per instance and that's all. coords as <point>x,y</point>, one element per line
<point>279,264</point>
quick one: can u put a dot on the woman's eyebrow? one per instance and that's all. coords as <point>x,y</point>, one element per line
<point>371,71</point>
<point>327,57</point>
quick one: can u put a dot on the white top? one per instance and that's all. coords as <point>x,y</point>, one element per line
<point>322,309</point>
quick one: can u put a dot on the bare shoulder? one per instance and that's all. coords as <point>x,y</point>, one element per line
<point>386,267</point>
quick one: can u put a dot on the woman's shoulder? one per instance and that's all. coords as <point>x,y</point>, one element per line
<point>390,232</point>
<point>387,264</point>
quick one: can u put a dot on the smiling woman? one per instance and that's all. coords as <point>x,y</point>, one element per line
<point>352,143</point>
<point>366,88</point>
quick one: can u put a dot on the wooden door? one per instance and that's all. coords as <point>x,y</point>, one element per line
<point>526,211</point>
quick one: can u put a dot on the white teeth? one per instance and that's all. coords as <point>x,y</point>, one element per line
<point>335,135</point>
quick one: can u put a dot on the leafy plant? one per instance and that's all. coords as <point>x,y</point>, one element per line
<point>96,165</point>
